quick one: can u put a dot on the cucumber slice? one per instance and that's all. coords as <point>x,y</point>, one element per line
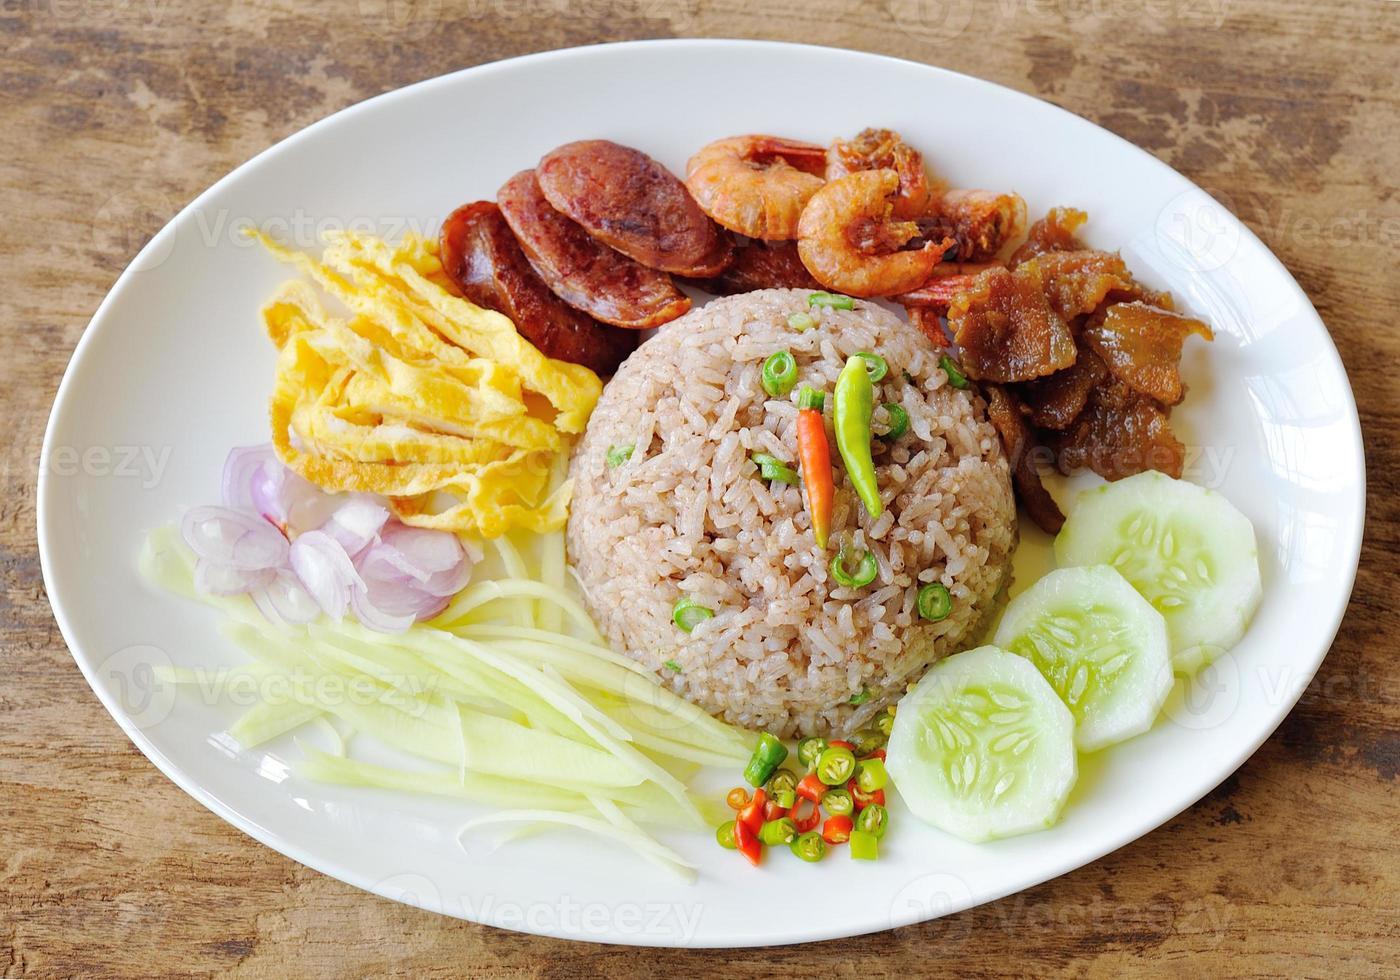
<point>1185,548</point>
<point>983,747</point>
<point>1102,647</point>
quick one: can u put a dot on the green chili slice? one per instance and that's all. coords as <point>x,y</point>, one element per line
<point>899,421</point>
<point>780,831</point>
<point>874,819</point>
<point>810,397</point>
<point>724,833</point>
<point>838,802</point>
<point>801,322</point>
<point>767,756</point>
<point>809,749</point>
<point>809,846</point>
<point>688,614</point>
<point>866,569</point>
<point>956,378</point>
<point>617,455</point>
<point>885,723</point>
<point>855,403</point>
<point>865,846</point>
<point>835,765</point>
<point>780,781</point>
<point>935,602</point>
<point>779,373</point>
<point>867,740</point>
<point>871,775</point>
<point>833,300</point>
<point>876,364</point>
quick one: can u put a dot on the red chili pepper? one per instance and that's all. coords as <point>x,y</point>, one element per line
<point>771,811</point>
<point>840,744</point>
<point>812,818</point>
<point>752,815</point>
<point>877,754</point>
<point>863,800</point>
<point>837,830</point>
<point>747,842</point>
<point>814,458</point>
<point>810,787</point>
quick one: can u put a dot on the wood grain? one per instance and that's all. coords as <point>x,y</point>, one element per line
<point>117,112</point>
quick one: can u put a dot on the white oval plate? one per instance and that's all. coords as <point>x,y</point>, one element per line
<point>174,370</point>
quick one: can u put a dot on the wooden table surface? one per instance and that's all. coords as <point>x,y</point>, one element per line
<point>116,112</point>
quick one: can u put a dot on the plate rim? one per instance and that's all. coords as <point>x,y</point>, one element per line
<point>188,782</point>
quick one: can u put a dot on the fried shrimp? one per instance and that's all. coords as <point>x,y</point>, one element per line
<point>981,222</point>
<point>848,240</point>
<point>884,149</point>
<point>756,185</point>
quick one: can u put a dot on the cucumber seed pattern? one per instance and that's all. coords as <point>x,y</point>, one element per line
<point>1080,652</point>
<point>976,738</point>
<point>1167,563</point>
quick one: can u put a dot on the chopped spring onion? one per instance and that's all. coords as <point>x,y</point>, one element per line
<point>688,614</point>
<point>899,421</point>
<point>809,846</point>
<point>866,570</point>
<point>956,378</point>
<point>767,756</point>
<point>617,455</point>
<point>801,322</point>
<point>859,697</point>
<point>810,397</point>
<point>833,300</point>
<point>875,364</point>
<point>772,468</point>
<point>672,666</point>
<point>779,373</point>
<point>935,602</point>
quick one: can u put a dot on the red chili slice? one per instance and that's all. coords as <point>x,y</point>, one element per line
<point>581,271</point>
<point>481,256</point>
<point>627,200</point>
<point>747,842</point>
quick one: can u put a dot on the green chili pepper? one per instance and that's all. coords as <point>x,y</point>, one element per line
<point>855,403</point>
<point>899,422</point>
<point>809,750</point>
<point>885,723</point>
<point>838,802</point>
<point>688,614</point>
<point>874,819</point>
<point>785,798</point>
<point>956,378</point>
<point>865,846</point>
<point>871,775</point>
<point>724,833</point>
<point>617,455</point>
<point>782,780</point>
<point>767,756</point>
<point>935,602</point>
<point>866,570</point>
<point>835,765</point>
<point>867,740</point>
<point>801,322</point>
<point>779,373</point>
<point>834,300</point>
<point>775,832</point>
<point>809,846</point>
<point>875,364</point>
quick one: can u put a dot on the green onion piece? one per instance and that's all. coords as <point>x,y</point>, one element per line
<point>811,398</point>
<point>935,602</point>
<point>874,819</point>
<point>867,740</point>
<point>875,364</point>
<point>780,781</point>
<point>865,572</point>
<point>779,373</point>
<point>775,832</point>
<point>617,455</point>
<point>885,723</point>
<point>835,765</point>
<point>838,802</point>
<point>956,378</point>
<point>724,833</point>
<point>899,421</point>
<point>780,473</point>
<point>860,698</point>
<point>801,322</point>
<point>809,749</point>
<point>809,846</point>
<point>865,846</point>
<point>767,756</point>
<point>871,775</point>
<point>833,300</point>
<point>672,665</point>
<point>688,614</point>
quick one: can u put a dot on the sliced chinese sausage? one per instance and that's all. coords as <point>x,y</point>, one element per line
<point>582,271</point>
<point>481,256</point>
<point>762,265</point>
<point>627,200</point>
